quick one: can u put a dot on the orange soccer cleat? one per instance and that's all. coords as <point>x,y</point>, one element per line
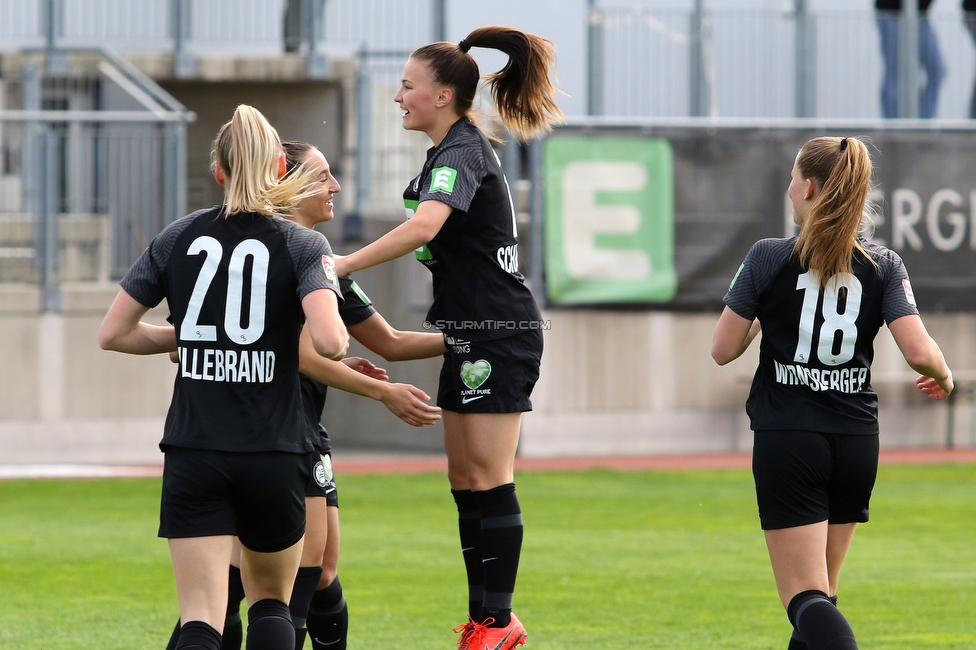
<point>478,636</point>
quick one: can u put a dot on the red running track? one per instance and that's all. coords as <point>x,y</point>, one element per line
<point>362,464</point>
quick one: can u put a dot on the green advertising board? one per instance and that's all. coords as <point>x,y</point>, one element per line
<point>609,220</point>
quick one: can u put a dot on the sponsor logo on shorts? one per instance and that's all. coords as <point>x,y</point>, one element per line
<point>474,375</point>
<point>319,474</point>
<point>327,468</point>
<point>457,345</point>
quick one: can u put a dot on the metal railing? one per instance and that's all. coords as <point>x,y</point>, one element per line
<point>187,28</point>
<point>92,168</point>
<point>744,63</point>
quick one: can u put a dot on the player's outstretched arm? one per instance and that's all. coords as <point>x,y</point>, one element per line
<point>123,330</point>
<point>732,336</point>
<point>407,402</point>
<point>408,236</point>
<point>393,345</point>
<point>924,356</point>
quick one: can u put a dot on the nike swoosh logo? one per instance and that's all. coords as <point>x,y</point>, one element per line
<point>330,491</point>
<point>501,644</point>
<point>465,400</point>
<point>321,642</point>
<point>488,559</point>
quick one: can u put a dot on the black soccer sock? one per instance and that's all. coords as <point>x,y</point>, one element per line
<point>269,626</point>
<point>469,527</point>
<point>305,583</point>
<point>796,641</point>
<point>197,635</point>
<point>233,635</point>
<point>501,545</point>
<point>819,622</point>
<point>175,636</point>
<point>328,618</point>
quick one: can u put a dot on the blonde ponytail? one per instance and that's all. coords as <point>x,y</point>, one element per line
<point>247,151</point>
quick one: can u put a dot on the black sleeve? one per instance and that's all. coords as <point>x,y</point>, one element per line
<point>356,305</point>
<point>145,280</point>
<point>455,176</point>
<point>764,261</point>
<point>313,261</point>
<point>899,299</point>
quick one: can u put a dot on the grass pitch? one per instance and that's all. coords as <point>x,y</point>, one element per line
<point>611,560</point>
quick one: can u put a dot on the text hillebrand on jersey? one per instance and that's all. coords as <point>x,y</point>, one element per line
<point>844,380</point>
<point>247,366</point>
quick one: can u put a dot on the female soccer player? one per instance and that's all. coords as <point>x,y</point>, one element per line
<point>820,298</point>
<point>462,227</point>
<point>327,619</point>
<point>238,279</point>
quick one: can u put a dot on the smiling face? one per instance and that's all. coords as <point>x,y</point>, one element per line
<point>420,97</point>
<point>318,208</point>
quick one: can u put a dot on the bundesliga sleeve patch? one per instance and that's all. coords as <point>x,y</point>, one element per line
<point>909,294</point>
<point>330,272</point>
<point>442,179</point>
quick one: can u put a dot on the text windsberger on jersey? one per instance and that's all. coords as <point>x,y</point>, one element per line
<point>844,380</point>
<point>247,366</point>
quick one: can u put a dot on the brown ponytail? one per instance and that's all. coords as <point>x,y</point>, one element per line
<point>841,168</point>
<point>522,91</point>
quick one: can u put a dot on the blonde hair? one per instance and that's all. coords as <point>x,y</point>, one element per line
<point>522,91</point>
<point>841,168</point>
<point>247,150</point>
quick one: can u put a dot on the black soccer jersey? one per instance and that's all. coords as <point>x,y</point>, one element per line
<point>355,308</point>
<point>479,292</point>
<point>817,344</point>
<point>234,287</point>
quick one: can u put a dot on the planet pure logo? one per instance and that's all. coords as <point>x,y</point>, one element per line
<point>475,374</point>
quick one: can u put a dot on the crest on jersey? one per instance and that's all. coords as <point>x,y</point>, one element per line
<point>330,271</point>
<point>442,179</point>
<point>909,294</point>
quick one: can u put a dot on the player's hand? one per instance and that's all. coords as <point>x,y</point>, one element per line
<point>366,367</point>
<point>409,403</point>
<point>933,388</point>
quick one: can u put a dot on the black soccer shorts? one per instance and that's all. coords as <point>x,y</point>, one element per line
<point>804,477</point>
<point>490,376</point>
<point>258,496</point>
<point>321,483</point>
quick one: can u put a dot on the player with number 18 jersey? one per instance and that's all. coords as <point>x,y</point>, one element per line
<point>817,346</point>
